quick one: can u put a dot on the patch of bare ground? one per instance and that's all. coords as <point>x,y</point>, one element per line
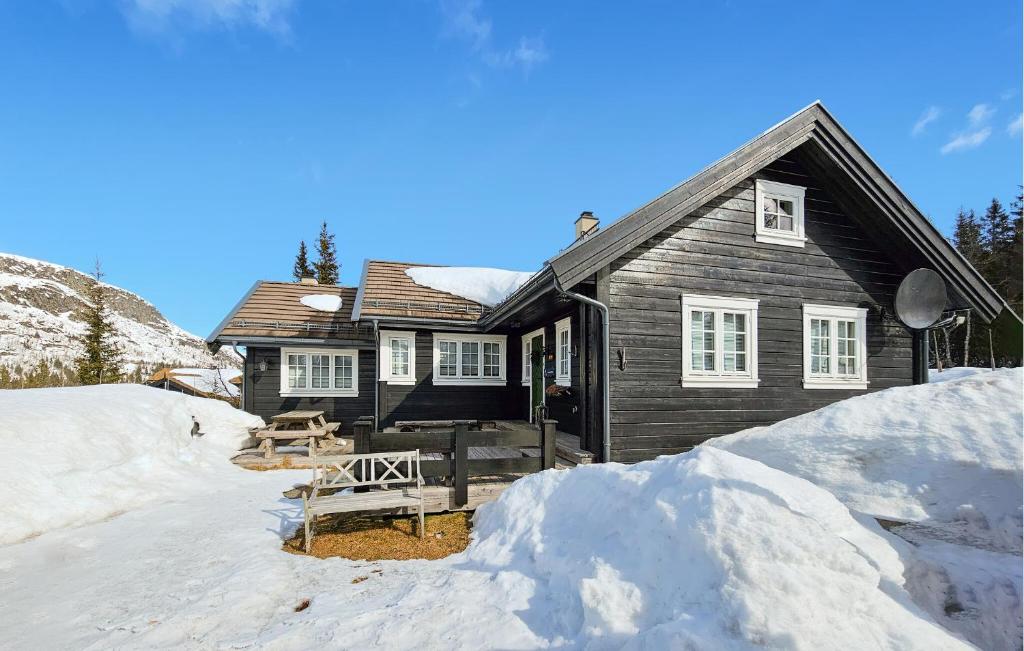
<point>379,538</point>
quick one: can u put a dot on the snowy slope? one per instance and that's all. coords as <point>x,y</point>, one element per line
<point>40,317</point>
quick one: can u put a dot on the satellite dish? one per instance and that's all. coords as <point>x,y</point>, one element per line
<point>921,298</point>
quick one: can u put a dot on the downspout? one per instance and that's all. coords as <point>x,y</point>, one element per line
<point>376,375</point>
<point>606,430</point>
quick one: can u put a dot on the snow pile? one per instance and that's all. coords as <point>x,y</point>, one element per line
<point>479,284</point>
<point>939,453</point>
<point>702,550</point>
<point>76,455</point>
<point>944,458</point>
<point>954,373</point>
<point>322,302</point>
<point>216,381</point>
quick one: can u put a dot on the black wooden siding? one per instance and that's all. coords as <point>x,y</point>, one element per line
<point>263,390</point>
<point>425,401</point>
<point>713,252</point>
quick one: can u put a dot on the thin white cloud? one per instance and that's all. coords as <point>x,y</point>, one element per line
<point>967,140</point>
<point>980,114</point>
<point>1015,127</point>
<point>931,114</point>
<point>157,16</point>
<point>463,19</point>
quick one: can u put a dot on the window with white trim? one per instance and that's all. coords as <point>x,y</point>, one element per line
<point>319,373</point>
<point>469,359</point>
<point>526,376</point>
<point>719,337</point>
<point>397,358</point>
<point>835,347</point>
<point>779,213</point>
<point>563,352</point>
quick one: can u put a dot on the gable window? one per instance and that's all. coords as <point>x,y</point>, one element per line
<point>719,341</point>
<point>563,352</point>
<point>319,373</point>
<point>469,359</point>
<point>397,361</point>
<point>779,213</point>
<point>835,347</point>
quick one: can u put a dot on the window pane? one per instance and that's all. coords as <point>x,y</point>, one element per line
<point>296,371</point>
<point>400,357</point>
<point>564,352</point>
<point>470,359</point>
<point>820,347</point>
<point>342,372</point>
<point>734,341</point>
<point>702,340</point>
<point>320,370</point>
<point>786,207</point>
<point>771,205</point>
<point>785,223</point>
<point>846,347</point>
<point>492,359</point>
<point>449,358</point>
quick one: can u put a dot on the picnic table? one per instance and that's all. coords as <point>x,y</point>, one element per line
<point>302,427</point>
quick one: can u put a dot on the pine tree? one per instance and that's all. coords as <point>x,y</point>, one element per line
<point>326,266</point>
<point>301,267</point>
<point>998,242</point>
<point>100,360</point>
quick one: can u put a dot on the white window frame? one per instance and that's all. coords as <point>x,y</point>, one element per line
<point>832,379</point>
<point>476,380</point>
<point>526,376</point>
<point>774,190</point>
<point>308,390</point>
<point>563,379</point>
<point>384,358</point>
<point>747,379</point>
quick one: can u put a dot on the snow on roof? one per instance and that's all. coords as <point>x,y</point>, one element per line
<point>322,302</point>
<point>484,285</point>
<point>209,380</point>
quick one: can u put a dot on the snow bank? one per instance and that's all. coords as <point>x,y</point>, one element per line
<point>76,455</point>
<point>947,452</point>
<point>955,373</point>
<point>322,302</point>
<point>480,284</point>
<point>703,550</point>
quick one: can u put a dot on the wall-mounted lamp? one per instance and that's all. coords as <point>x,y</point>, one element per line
<point>263,365</point>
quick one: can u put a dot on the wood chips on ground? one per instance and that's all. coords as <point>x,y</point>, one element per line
<point>377,538</point>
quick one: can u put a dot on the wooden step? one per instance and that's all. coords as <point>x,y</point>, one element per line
<point>567,446</point>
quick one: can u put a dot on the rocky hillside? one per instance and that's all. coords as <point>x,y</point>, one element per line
<point>41,306</point>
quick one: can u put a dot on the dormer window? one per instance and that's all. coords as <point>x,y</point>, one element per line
<point>779,211</point>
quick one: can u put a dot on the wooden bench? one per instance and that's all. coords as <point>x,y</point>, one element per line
<point>324,436</point>
<point>428,425</point>
<point>397,474</point>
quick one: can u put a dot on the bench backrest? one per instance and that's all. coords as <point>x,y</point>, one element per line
<point>374,469</point>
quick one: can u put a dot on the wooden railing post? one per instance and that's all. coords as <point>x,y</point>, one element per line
<point>361,431</point>
<point>547,440</point>
<point>461,459</point>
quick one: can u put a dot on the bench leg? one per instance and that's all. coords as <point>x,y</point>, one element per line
<point>268,452</point>
<point>423,531</point>
<point>308,532</point>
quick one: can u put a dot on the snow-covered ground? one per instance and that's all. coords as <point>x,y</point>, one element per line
<point>709,549</point>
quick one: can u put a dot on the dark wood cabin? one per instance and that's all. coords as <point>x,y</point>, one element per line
<point>757,290</point>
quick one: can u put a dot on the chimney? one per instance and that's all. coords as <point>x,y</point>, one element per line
<point>308,279</point>
<point>585,224</point>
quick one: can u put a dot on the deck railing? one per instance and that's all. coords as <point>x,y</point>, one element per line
<point>454,443</point>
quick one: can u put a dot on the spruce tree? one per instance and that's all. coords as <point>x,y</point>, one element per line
<point>967,237</point>
<point>301,267</point>
<point>100,361</point>
<point>326,266</point>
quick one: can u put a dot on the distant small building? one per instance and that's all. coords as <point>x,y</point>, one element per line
<point>219,383</point>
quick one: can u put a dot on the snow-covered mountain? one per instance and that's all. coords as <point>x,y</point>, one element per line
<point>41,312</point>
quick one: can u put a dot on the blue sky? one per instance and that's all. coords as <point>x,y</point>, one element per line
<point>190,144</point>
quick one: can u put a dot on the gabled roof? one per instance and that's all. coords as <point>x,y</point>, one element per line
<point>274,310</point>
<point>815,127</point>
<point>386,291</point>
